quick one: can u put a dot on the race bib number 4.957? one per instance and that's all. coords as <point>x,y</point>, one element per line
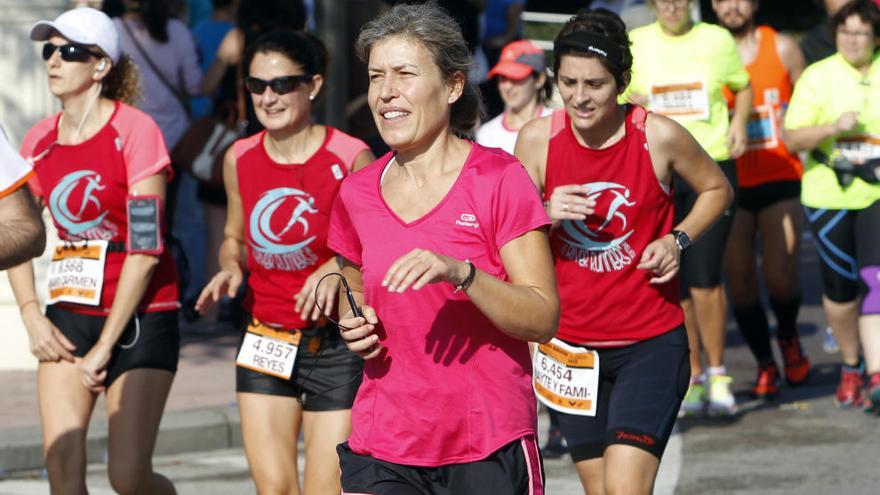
<point>566,378</point>
<point>268,350</point>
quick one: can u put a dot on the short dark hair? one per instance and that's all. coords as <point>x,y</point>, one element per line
<point>867,10</point>
<point>300,47</point>
<point>604,23</point>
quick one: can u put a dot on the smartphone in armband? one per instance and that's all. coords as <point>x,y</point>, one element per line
<point>144,215</point>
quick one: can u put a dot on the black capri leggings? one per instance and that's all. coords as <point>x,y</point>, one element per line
<point>701,264</point>
<point>848,242</point>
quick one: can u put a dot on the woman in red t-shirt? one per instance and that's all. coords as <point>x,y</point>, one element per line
<point>111,323</point>
<point>605,171</point>
<point>293,370</point>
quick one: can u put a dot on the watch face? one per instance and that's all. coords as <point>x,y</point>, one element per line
<point>682,239</point>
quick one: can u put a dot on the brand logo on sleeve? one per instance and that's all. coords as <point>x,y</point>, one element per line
<point>599,242</point>
<point>467,220</point>
<point>76,206</point>
<point>284,248</point>
<point>338,174</point>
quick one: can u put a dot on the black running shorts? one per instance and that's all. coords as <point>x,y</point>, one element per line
<point>150,340</point>
<point>641,387</point>
<point>515,469</point>
<point>701,264</point>
<point>326,375</point>
<point>758,198</point>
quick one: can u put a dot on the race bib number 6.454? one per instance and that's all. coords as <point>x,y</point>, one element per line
<point>269,351</point>
<point>566,378</point>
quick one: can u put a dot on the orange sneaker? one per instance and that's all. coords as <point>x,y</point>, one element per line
<point>767,383</point>
<point>797,366</point>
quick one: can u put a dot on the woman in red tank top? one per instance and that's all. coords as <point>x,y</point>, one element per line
<point>293,370</point>
<point>604,170</point>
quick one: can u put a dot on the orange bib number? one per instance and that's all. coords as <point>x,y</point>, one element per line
<point>268,350</point>
<point>681,101</point>
<point>76,273</point>
<point>566,378</point>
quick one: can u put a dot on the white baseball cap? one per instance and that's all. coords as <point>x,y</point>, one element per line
<point>83,25</point>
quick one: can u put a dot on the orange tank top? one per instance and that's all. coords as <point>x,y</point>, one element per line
<point>767,158</point>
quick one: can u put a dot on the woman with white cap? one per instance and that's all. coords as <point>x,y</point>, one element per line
<point>525,90</point>
<point>111,323</point>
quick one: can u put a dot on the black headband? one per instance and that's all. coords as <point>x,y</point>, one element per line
<point>585,41</point>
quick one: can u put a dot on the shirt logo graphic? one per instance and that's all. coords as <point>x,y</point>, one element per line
<point>467,220</point>
<point>69,213</point>
<point>269,249</point>
<point>599,242</point>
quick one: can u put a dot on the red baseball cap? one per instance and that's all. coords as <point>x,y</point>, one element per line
<point>518,60</point>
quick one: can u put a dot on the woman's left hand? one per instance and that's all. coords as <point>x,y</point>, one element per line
<point>94,366</point>
<point>305,300</point>
<point>661,258</point>
<point>421,267</point>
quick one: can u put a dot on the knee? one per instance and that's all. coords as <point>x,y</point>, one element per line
<point>274,484</point>
<point>628,486</point>
<point>65,462</point>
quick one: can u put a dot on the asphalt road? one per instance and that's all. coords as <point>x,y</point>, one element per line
<point>799,443</point>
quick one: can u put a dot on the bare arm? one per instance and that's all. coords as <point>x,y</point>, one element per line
<point>232,253</point>
<point>22,233</point>
<point>791,56</point>
<point>228,54</point>
<point>137,271</point>
<point>808,138</point>
<point>673,149</point>
<point>363,159</point>
<point>737,136</point>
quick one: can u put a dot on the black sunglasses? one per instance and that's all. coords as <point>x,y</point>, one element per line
<point>69,52</point>
<point>280,85</point>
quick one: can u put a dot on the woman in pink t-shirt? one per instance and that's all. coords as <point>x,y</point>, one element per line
<point>446,253</point>
<point>111,318</point>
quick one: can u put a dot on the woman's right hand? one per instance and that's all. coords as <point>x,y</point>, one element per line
<point>570,202</point>
<point>226,282</point>
<point>358,333</point>
<point>48,344</point>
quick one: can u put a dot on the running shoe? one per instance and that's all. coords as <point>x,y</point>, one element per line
<point>797,366</point>
<point>767,383</point>
<point>720,399</point>
<point>849,392</point>
<point>872,403</point>
<point>555,446</point>
<point>694,403</point>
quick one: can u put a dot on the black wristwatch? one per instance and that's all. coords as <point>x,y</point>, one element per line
<point>682,240</point>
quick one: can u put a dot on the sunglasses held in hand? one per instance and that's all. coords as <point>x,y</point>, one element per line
<point>69,52</point>
<point>280,85</point>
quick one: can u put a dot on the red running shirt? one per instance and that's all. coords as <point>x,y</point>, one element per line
<point>287,212</point>
<point>606,301</point>
<point>85,187</point>
<point>767,159</point>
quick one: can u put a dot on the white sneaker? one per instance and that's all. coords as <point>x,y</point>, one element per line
<point>720,399</point>
<point>694,403</point>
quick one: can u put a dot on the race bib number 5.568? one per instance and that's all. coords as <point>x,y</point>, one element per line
<point>566,378</point>
<point>268,350</point>
<point>76,273</point>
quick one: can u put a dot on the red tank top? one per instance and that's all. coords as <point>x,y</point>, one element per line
<point>85,187</point>
<point>767,158</point>
<point>287,213</point>
<point>606,301</point>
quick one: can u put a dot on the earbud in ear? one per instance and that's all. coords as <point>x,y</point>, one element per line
<point>101,65</point>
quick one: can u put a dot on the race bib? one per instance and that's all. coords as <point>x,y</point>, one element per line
<point>268,350</point>
<point>763,129</point>
<point>76,273</point>
<point>681,101</point>
<point>859,149</point>
<point>566,378</point>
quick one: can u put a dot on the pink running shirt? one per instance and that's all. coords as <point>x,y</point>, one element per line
<point>450,388</point>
